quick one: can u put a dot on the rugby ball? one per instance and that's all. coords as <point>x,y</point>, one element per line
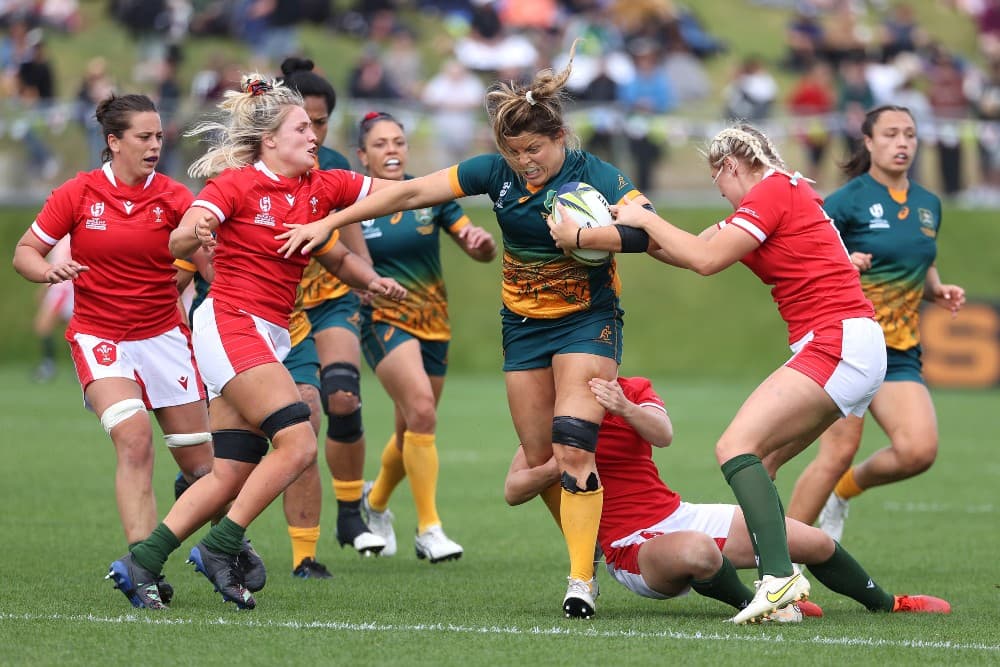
<point>585,207</point>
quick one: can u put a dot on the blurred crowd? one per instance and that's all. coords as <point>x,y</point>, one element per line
<point>639,74</point>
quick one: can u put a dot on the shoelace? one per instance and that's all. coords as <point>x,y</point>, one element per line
<point>579,586</point>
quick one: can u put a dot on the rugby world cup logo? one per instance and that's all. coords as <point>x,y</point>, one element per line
<point>876,210</point>
<point>265,204</point>
<point>97,209</point>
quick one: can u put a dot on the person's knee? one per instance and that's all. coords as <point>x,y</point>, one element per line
<point>340,393</point>
<point>916,457</point>
<point>701,556</point>
<point>421,415</point>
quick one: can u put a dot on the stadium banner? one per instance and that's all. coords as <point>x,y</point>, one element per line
<point>964,351</point>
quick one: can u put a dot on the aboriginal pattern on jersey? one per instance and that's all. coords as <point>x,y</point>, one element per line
<point>539,281</point>
<point>407,246</point>
<point>318,284</point>
<point>900,231</point>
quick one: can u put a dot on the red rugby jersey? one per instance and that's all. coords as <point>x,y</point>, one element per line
<point>254,204</point>
<point>121,232</point>
<point>800,255</point>
<point>634,495</point>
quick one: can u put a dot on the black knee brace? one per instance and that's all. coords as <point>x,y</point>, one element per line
<point>239,445</point>
<point>341,376</point>
<point>574,432</point>
<point>292,414</point>
<point>570,484</point>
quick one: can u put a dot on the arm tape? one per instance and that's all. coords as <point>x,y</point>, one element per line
<point>633,239</point>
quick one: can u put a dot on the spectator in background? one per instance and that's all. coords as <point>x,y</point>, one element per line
<point>649,92</point>
<point>855,97</point>
<point>404,64</point>
<point>950,107</point>
<point>16,47</point>
<point>96,86</point>
<point>605,117</point>
<point>804,40</point>
<point>910,94</point>
<point>490,48</point>
<point>36,93</point>
<point>988,27</point>
<point>686,73</point>
<point>168,100</point>
<point>900,32</point>
<point>454,96</point>
<point>984,97</point>
<point>272,29</point>
<point>812,99</point>
<point>751,93</point>
<point>842,36</point>
<point>369,79</point>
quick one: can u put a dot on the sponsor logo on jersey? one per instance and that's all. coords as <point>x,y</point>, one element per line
<point>388,334</point>
<point>128,207</point>
<point>425,230</point>
<point>424,215</point>
<point>904,212</point>
<point>105,353</point>
<point>290,199</point>
<point>877,220</point>
<point>183,381</point>
<point>621,182</point>
<point>264,217</point>
<point>649,534</point>
<point>748,211</point>
<point>605,336</point>
<point>503,192</point>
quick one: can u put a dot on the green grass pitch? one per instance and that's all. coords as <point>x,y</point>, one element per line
<point>499,604</point>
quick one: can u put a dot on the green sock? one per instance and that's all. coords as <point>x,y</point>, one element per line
<point>757,496</point>
<point>842,574</point>
<point>724,585</point>
<point>225,536</point>
<point>153,551</point>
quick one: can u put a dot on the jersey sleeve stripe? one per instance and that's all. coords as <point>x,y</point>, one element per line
<point>37,230</point>
<point>330,242</point>
<point>651,404</point>
<point>629,196</point>
<point>216,211</point>
<point>185,265</point>
<point>366,188</point>
<point>459,224</point>
<point>456,187</point>
<point>750,228</point>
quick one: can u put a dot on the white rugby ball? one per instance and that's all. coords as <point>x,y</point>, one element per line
<point>585,207</point>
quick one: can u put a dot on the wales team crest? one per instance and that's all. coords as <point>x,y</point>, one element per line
<point>424,215</point>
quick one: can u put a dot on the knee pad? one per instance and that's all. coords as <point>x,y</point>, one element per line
<point>118,412</point>
<point>570,484</point>
<point>345,428</point>
<point>186,439</point>
<point>339,376</point>
<point>239,445</point>
<point>292,414</point>
<point>574,432</point>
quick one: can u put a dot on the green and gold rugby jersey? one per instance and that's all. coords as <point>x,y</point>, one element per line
<point>539,281</point>
<point>407,246</point>
<point>899,229</point>
<point>318,284</point>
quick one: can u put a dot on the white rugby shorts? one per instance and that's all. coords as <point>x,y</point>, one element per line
<point>228,341</point>
<point>714,520</point>
<point>163,365</point>
<point>846,358</point>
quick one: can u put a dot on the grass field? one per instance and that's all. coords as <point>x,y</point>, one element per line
<point>499,604</point>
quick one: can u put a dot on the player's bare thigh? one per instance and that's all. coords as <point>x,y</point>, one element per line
<point>784,408</point>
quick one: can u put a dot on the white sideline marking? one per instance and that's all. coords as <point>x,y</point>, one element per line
<point>504,630</point>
